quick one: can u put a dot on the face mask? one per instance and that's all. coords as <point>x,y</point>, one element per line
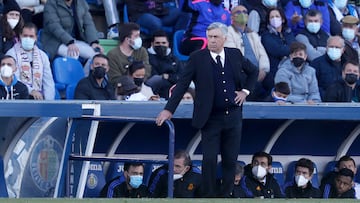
<point>241,18</point>
<point>13,22</point>
<point>334,53</point>
<point>136,181</point>
<point>305,3</point>
<point>276,98</point>
<point>99,72</point>
<point>137,43</point>
<point>350,78</point>
<point>259,172</point>
<point>216,2</point>
<point>27,43</point>
<point>177,176</point>
<point>340,4</point>
<point>138,81</point>
<point>6,71</point>
<point>313,27</point>
<point>348,34</point>
<point>301,180</point>
<point>160,50</point>
<point>298,61</point>
<point>276,22</point>
<point>269,3</point>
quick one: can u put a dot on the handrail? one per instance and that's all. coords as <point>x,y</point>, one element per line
<point>171,127</point>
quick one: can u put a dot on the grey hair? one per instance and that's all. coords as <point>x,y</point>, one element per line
<point>336,38</point>
<point>218,25</point>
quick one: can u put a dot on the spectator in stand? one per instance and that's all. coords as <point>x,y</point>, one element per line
<point>258,21</point>
<point>347,89</point>
<point>69,30</point>
<point>276,41</point>
<point>258,182</point>
<point>338,9</point>
<point>344,162</point>
<point>238,191</point>
<point>351,36</point>
<point>203,14</point>
<point>165,67</point>
<point>128,185</point>
<point>154,14</point>
<point>33,66</point>
<point>341,187</point>
<point>96,86</point>
<point>11,25</point>
<point>296,10</point>
<point>279,93</point>
<point>301,186</point>
<point>10,87</point>
<point>249,43</point>
<point>130,49</point>
<point>313,35</point>
<point>299,75</point>
<point>328,66</point>
<point>186,179</point>
<point>32,11</point>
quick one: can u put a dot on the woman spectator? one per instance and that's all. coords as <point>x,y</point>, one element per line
<point>32,11</point>
<point>11,25</point>
<point>276,41</point>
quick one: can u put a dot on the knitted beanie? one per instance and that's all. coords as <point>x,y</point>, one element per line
<point>10,5</point>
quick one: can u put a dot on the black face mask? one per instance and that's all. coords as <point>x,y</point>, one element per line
<point>297,61</point>
<point>351,78</point>
<point>160,50</point>
<point>99,72</point>
<point>138,81</point>
<point>216,2</point>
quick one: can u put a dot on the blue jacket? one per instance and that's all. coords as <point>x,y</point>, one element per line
<point>277,47</point>
<point>327,72</point>
<point>294,6</point>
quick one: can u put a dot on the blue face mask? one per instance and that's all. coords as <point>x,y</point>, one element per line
<point>27,43</point>
<point>313,27</point>
<point>334,53</point>
<point>136,181</point>
<point>305,3</point>
<point>270,3</point>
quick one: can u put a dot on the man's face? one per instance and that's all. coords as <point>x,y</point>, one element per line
<point>350,26</point>
<point>134,34</point>
<point>303,171</point>
<point>100,61</point>
<point>280,95</point>
<point>313,19</point>
<point>334,43</point>
<point>237,179</point>
<point>348,164</point>
<point>179,166</point>
<point>10,62</point>
<point>160,41</point>
<point>349,68</point>
<point>134,171</point>
<point>28,32</point>
<point>262,161</point>
<point>216,40</point>
<point>343,184</point>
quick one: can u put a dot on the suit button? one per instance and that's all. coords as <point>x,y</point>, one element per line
<point>224,82</point>
<point>226,99</point>
<point>226,112</point>
<point>224,90</point>
<point>222,73</point>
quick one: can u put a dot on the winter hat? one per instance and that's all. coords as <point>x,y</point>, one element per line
<point>10,5</point>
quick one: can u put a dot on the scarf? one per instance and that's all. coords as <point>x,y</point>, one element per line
<point>31,72</point>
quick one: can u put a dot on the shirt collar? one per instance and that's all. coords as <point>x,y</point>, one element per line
<point>222,56</point>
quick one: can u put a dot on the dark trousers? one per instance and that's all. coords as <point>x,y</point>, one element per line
<point>222,133</point>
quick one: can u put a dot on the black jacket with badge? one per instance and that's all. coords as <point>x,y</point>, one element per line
<point>293,191</point>
<point>117,188</point>
<point>88,89</point>
<point>186,187</point>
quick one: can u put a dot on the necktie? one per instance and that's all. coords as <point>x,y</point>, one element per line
<point>218,61</point>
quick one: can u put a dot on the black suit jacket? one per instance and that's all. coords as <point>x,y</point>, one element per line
<point>199,70</point>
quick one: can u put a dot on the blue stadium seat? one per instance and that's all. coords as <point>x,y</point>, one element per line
<point>149,168</point>
<point>278,171</point>
<point>67,72</point>
<point>3,189</point>
<point>290,173</point>
<point>95,180</point>
<point>329,167</point>
<point>178,36</point>
<point>197,164</point>
<point>115,169</point>
<point>167,29</point>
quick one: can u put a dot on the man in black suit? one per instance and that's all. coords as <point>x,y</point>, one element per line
<point>223,79</point>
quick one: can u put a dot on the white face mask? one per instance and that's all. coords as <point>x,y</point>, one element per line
<point>301,180</point>
<point>276,22</point>
<point>259,172</point>
<point>177,176</point>
<point>27,43</point>
<point>6,71</point>
<point>348,34</point>
<point>13,22</point>
<point>137,43</point>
